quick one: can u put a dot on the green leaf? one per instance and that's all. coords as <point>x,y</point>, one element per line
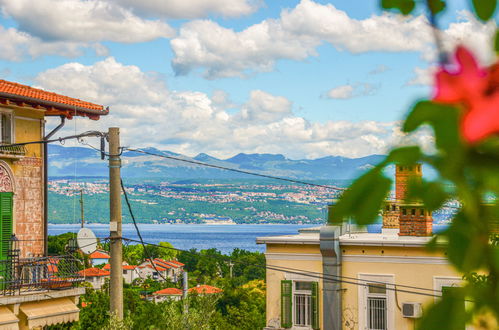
<point>363,199</point>
<point>404,6</point>
<point>447,313</point>
<point>405,155</point>
<point>436,6</point>
<point>484,9</point>
<point>445,122</point>
<point>496,42</point>
<point>431,193</point>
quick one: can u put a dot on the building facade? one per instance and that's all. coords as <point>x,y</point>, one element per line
<point>28,277</point>
<point>339,277</point>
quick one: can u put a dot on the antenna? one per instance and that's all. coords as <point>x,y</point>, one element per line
<point>86,240</point>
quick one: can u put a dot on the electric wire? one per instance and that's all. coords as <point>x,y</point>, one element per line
<point>315,275</point>
<point>234,169</point>
<point>146,251</point>
<point>60,139</point>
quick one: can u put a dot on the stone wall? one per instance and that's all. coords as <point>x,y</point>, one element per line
<point>28,206</point>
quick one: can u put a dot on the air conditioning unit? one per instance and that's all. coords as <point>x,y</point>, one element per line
<point>412,310</point>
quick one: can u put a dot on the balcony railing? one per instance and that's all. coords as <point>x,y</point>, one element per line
<point>23,275</point>
<point>12,150</point>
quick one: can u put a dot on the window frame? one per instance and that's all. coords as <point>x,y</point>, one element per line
<point>363,295</point>
<point>294,278</point>
<point>10,115</point>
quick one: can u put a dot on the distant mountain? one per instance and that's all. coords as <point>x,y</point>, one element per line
<point>66,161</point>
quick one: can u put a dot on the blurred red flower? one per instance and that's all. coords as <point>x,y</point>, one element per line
<point>474,87</point>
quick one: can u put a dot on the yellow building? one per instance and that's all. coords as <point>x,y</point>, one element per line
<point>28,277</point>
<point>337,277</point>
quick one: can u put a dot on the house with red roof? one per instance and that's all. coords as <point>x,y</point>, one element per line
<point>95,276</point>
<point>203,289</point>
<point>164,269</point>
<point>167,294</point>
<point>24,111</point>
<point>99,257</point>
<point>130,272</point>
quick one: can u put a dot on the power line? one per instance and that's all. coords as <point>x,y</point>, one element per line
<point>316,275</point>
<point>235,170</point>
<point>70,137</point>
<point>146,251</point>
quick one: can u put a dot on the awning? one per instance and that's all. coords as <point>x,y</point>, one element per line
<point>50,312</point>
<point>8,320</point>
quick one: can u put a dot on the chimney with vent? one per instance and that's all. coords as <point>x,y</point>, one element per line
<point>414,219</point>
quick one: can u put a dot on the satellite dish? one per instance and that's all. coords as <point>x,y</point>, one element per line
<point>86,240</point>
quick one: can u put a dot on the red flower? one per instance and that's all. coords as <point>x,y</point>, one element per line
<point>477,89</point>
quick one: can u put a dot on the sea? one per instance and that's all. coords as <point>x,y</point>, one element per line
<point>225,238</point>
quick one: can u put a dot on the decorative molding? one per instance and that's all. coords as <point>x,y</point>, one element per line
<point>30,161</point>
<point>294,256</point>
<point>395,260</point>
<point>6,178</point>
<point>29,118</point>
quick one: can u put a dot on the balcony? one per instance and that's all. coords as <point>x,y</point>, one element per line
<point>10,151</point>
<point>37,291</point>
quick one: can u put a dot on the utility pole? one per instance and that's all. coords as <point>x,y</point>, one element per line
<point>231,264</point>
<point>81,209</point>
<point>184,292</point>
<point>116,283</point>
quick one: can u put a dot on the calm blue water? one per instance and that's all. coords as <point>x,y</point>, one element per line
<point>223,237</point>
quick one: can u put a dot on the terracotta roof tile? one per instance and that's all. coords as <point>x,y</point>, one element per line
<point>99,255</point>
<point>35,93</point>
<point>169,292</point>
<point>177,262</point>
<point>205,289</point>
<point>92,272</point>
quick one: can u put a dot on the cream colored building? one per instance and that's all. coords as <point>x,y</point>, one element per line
<point>336,277</point>
<point>399,269</point>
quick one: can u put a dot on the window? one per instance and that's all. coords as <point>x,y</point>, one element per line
<point>450,287</point>
<point>299,304</point>
<point>6,128</point>
<point>404,211</point>
<point>413,212</point>
<point>376,307</point>
<point>376,302</point>
<point>394,207</point>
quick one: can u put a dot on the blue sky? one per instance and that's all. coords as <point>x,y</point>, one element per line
<point>303,78</point>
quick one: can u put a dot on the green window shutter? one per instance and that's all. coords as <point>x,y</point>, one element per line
<point>6,220</point>
<point>286,304</point>
<point>315,306</point>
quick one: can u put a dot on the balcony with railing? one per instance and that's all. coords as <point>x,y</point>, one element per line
<point>14,151</point>
<point>38,290</point>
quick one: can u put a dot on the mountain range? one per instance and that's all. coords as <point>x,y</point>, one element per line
<point>82,161</point>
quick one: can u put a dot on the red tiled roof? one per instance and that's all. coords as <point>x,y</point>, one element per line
<point>126,267</point>
<point>91,272</point>
<point>14,92</point>
<point>99,255</point>
<point>169,292</point>
<point>177,262</point>
<point>205,289</point>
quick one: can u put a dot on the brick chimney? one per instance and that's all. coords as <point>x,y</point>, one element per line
<point>391,213</point>
<point>403,174</point>
<point>414,219</point>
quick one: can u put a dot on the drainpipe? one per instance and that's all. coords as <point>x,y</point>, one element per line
<point>331,267</point>
<point>45,183</point>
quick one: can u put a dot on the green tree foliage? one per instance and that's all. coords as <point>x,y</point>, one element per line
<point>57,245</point>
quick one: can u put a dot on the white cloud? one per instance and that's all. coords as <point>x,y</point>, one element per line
<point>82,21</point>
<point>16,45</point>
<point>351,91</point>
<point>423,76</point>
<point>192,8</point>
<point>221,52</point>
<point>341,92</point>
<point>189,122</point>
